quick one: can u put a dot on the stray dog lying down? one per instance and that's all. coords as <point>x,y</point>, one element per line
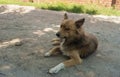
<point>73,42</point>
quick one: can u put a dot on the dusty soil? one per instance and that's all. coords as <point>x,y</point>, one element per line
<point>25,35</point>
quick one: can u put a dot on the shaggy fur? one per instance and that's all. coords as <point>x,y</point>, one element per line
<point>73,42</point>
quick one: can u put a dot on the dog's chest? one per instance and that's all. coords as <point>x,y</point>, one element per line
<point>63,48</point>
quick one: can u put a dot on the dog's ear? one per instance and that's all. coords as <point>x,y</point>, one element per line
<point>65,16</point>
<point>79,22</point>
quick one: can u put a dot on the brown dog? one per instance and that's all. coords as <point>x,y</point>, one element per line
<point>74,42</point>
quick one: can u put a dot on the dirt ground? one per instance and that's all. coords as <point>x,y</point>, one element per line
<point>25,35</point>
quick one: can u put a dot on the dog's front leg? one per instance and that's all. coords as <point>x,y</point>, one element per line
<point>55,41</point>
<point>53,51</point>
<point>75,59</point>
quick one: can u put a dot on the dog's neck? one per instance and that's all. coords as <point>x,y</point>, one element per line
<point>71,41</point>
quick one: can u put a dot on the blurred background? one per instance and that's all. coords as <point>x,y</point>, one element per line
<point>104,7</point>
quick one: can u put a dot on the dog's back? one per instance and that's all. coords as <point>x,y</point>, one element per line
<point>89,45</point>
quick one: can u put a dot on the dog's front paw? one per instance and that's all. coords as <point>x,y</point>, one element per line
<point>53,70</point>
<point>47,54</point>
<point>55,39</point>
<point>55,43</point>
<point>57,68</point>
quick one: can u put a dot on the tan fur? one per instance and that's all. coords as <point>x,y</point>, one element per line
<point>74,42</point>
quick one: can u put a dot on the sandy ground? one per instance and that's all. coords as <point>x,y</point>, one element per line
<point>25,35</point>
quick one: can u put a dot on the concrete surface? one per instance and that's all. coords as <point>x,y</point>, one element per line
<point>25,35</point>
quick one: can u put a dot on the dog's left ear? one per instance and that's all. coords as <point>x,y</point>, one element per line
<point>79,22</point>
<point>65,16</point>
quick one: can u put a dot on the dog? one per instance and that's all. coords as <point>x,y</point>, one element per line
<point>74,42</point>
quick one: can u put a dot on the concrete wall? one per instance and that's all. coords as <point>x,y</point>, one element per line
<point>106,3</point>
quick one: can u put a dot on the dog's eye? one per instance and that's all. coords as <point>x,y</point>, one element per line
<point>67,29</point>
<point>61,26</point>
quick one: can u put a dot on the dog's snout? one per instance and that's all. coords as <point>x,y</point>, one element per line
<point>58,34</point>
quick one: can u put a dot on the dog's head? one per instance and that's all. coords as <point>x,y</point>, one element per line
<point>70,28</point>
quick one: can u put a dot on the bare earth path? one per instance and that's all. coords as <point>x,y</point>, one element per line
<point>25,34</point>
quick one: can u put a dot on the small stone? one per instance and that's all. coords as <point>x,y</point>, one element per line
<point>90,74</point>
<point>99,55</point>
<point>18,43</point>
<point>80,74</point>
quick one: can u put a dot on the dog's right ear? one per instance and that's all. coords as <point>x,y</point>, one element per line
<point>65,16</point>
<point>79,22</point>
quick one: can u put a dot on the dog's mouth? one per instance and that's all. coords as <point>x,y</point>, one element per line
<point>61,37</point>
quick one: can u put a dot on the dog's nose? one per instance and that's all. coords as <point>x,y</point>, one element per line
<point>58,34</point>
